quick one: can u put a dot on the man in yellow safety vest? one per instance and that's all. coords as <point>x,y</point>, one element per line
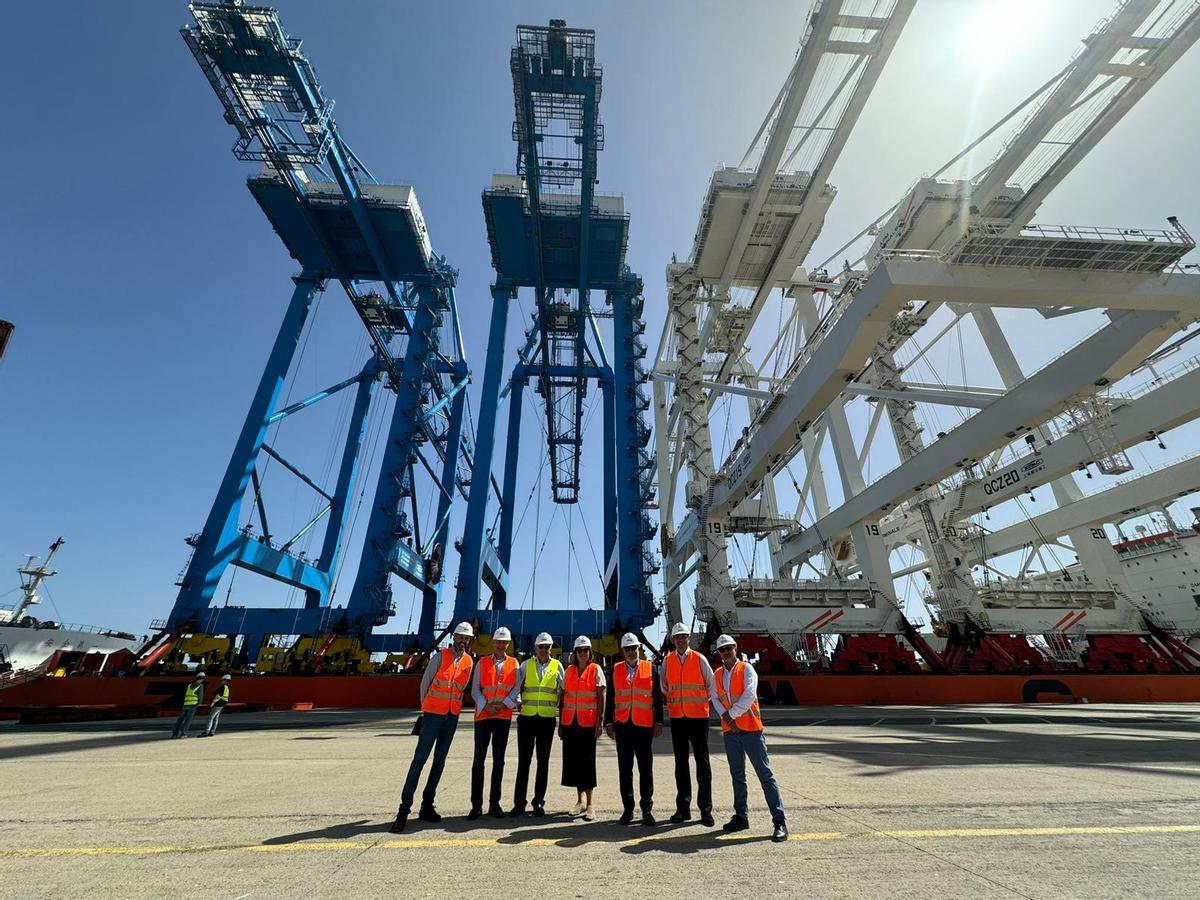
<point>540,682</point>
<point>193,696</point>
<point>633,717</point>
<point>219,701</point>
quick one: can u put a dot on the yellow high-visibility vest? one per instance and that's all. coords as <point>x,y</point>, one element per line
<point>539,696</point>
<point>193,694</point>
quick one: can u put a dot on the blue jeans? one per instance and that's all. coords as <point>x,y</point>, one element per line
<point>213,718</point>
<point>739,745</point>
<point>436,734</point>
<point>184,723</point>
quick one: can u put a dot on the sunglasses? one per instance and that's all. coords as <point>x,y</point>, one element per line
<point>726,650</point>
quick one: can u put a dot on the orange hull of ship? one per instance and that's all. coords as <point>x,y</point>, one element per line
<point>272,691</point>
<point>400,691</point>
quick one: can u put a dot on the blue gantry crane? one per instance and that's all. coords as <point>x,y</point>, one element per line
<point>551,232</point>
<point>340,224</point>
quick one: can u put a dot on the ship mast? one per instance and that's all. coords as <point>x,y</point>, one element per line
<point>31,579</point>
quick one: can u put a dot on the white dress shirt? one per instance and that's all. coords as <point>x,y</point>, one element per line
<point>739,706</point>
<point>477,688</point>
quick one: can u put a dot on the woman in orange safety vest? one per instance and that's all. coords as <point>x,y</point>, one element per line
<point>580,721</point>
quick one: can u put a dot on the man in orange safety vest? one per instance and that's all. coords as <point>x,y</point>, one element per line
<point>495,677</point>
<point>633,717</point>
<point>741,722</point>
<point>442,687</point>
<point>687,686</point>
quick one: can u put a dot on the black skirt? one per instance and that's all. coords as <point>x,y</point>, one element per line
<point>579,757</point>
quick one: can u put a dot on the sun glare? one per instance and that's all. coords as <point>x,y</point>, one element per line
<point>995,27</point>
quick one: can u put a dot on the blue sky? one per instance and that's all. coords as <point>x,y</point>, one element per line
<point>146,286</point>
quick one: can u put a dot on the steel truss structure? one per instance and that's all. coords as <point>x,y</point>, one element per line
<point>961,249</point>
<point>550,232</point>
<point>340,224</point>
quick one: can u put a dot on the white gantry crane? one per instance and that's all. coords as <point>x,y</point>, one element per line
<point>951,252</point>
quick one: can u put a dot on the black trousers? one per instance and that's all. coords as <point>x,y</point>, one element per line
<point>635,742</point>
<point>691,734</point>
<point>533,731</point>
<point>493,732</point>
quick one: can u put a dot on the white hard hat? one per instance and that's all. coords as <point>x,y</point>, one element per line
<point>201,675</point>
<point>679,629</point>
<point>725,641</point>
<point>543,640</point>
<point>583,642</point>
<point>464,628</point>
<point>629,640</point>
<point>502,634</point>
<point>227,678</point>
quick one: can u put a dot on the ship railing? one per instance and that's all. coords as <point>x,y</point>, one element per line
<point>1161,378</point>
<point>49,625</point>
<point>1087,233</point>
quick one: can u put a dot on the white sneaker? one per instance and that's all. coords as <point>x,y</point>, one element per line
<point>577,809</point>
<point>589,815</point>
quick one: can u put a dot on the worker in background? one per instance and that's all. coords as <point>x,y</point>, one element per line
<point>741,723</point>
<point>219,701</point>
<point>193,696</point>
<point>537,690</point>
<point>687,686</point>
<point>584,687</point>
<point>495,677</point>
<point>442,687</point>
<point>633,717</point>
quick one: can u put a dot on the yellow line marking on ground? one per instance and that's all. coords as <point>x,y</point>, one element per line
<point>515,840</point>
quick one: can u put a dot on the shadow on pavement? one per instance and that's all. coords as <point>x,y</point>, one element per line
<point>333,832</point>
<point>94,743</point>
<point>577,834</point>
<point>908,747</point>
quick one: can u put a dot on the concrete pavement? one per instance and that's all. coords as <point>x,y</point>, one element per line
<point>1034,801</point>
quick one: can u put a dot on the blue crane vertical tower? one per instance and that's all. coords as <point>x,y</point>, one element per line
<point>340,224</point>
<point>550,232</point>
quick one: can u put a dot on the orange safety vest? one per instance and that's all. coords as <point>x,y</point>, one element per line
<point>687,697</point>
<point>635,697</point>
<point>445,694</point>
<point>495,686</point>
<point>579,698</point>
<point>750,721</point>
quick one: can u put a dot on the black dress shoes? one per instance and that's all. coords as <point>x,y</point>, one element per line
<point>780,833</point>
<point>737,823</point>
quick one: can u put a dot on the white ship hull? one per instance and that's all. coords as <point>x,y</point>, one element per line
<point>1163,571</point>
<point>28,648</point>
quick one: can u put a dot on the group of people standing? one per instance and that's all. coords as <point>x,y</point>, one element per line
<point>193,696</point>
<point>577,701</point>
